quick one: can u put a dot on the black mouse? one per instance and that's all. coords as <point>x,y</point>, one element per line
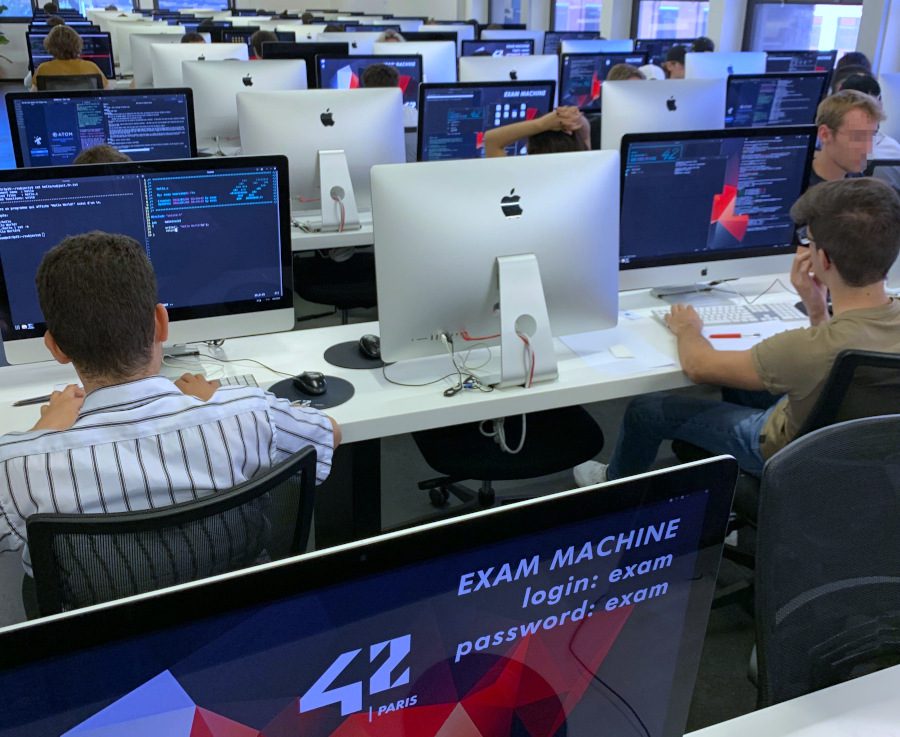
<point>370,346</point>
<point>310,382</point>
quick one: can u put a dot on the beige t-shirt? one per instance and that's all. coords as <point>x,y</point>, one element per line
<point>56,67</point>
<point>796,363</point>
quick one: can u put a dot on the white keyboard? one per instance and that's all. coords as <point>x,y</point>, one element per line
<point>242,380</point>
<point>738,314</point>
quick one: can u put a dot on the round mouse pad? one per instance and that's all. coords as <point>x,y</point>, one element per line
<point>337,392</point>
<point>348,356</point>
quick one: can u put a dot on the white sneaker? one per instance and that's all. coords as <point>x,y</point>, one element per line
<point>590,473</point>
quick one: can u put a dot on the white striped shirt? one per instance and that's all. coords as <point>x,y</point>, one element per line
<point>145,444</point>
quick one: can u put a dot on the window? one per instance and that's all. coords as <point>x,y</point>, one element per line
<point>670,19</point>
<point>802,25</point>
<point>18,9</point>
<point>577,15</point>
<point>508,11</point>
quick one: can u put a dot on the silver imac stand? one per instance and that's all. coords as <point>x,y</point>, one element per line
<point>336,194</point>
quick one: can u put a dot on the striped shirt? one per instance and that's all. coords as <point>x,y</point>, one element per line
<point>145,444</point>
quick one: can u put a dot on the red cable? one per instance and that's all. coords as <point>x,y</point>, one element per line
<point>464,334</point>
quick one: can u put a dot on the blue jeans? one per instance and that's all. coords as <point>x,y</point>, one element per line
<point>717,426</point>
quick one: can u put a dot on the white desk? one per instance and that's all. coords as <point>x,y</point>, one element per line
<point>302,240</point>
<point>864,707</point>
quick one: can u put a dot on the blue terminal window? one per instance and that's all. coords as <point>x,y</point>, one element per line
<point>672,19</point>
<point>577,15</point>
<point>814,26</point>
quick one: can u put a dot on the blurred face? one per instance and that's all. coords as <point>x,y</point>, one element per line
<point>851,143</point>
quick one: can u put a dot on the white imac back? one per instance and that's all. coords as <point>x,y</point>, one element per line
<point>438,57</point>
<point>367,124</point>
<point>120,34</point>
<point>501,34</point>
<point>303,32</point>
<point>665,105</point>
<point>890,99</point>
<point>361,42</point>
<point>141,61</point>
<point>440,226</point>
<point>464,32</point>
<point>596,45</point>
<point>216,84</point>
<point>165,59</point>
<point>535,68</point>
<point>721,64</point>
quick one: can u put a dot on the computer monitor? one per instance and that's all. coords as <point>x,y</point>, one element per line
<point>366,124</point>
<point>462,31</point>
<point>166,59</point>
<point>663,105</point>
<point>216,85</point>
<point>141,60</point>
<point>503,34</point>
<point>658,48</point>
<point>421,36</point>
<point>305,51</point>
<point>344,73</point>
<point>582,76</point>
<point>361,42</point>
<point>710,205</point>
<point>461,218</point>
<point>454,117</point>
<point>438,57</point>
<point>800,61</point>
<point>373,27</point>
<point>223,266</point>
<point>596,46</point>
<point>721,64</point>
<point>553,39</point>
<point>50,129</point>
<point>890,100</point>
<point>240,35</point>
<point>121,33</point>
<point>97,47</point>
<point>509,47</point>
<point>787,98</point>
<point>421,631</point>
<point>888,171</point>
<point>509,68</point>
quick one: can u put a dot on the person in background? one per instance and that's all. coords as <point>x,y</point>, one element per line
<point>561,130</point>
<point>624,72</point>
<point>102,153</point>
<point>847,123</point>
<point>883,145</point>
<point>192,37</point>
<point>65,46</point>
<point>258,39</point>
<point>854,59</point>
<point>307,18</point>
<point>391,36</point>
<point>55,20</point>
<point>51,8</point>
<point>652,71</point>
<point>674,63</point>
<point>380,75</point>
<point>838,77</point>
<point>334,28</point>
<point>702,44</point>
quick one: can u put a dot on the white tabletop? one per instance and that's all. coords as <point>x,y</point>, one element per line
<point>303,240</point>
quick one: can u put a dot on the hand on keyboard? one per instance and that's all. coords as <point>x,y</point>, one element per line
<point>732,314</point>
<point>197,385</point>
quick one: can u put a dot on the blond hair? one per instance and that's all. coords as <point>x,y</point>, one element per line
<point>63,43</point>
<point>833,109</point>
<point>624,72</point>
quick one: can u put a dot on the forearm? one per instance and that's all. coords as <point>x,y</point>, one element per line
<point>497,139</point>
<point>694,352</point>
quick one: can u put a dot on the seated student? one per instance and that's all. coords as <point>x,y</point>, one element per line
<point>854,237</point>
<point>674,63</point>
<point>131,439</point>
<point>380,75</point>
<point>65,46</point>
<point>883,145</point>
<point>307,18</point>
<point>55,20</point>
<point>702,43</point>
<point>847,122</point>
<point>652,71</point>
<point>102,153</point>
<point>391,36</point>
<point>838,77</point>
<point>258,39</point>
<point>624,72</point>
<point>51,8</point>
<point>192,37</point>
<point>561,130</point>
<point>855,59</point>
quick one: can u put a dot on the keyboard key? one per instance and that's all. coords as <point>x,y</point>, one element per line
<point>741,314</point>
<point>241,380</point>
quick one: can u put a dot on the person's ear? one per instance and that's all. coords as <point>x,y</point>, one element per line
<point>161,318</point>
<point>825,134</point>
<point>54,349</point>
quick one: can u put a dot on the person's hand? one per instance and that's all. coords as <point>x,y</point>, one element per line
<point>570,119</point>
<point>813,293</point>
<point>196,385</point>
<point>683,318</point>
<point>551,121</point>
<point>63,409</point>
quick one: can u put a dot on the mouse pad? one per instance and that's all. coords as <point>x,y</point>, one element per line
<point>348,355</point>
<point>338,391</point>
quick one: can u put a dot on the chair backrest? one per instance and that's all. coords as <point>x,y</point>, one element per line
<point>83,559</point>
<point>828,559</point>
<point>69,82</point>
<point>861,384</point>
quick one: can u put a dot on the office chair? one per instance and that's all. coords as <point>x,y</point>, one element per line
<point>828,562</point>
<point>56,82</point>
<point>84,559</point>
<point>345,284</point>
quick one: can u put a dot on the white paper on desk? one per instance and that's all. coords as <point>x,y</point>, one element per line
<point>594,349</point>
<point>755,332</point>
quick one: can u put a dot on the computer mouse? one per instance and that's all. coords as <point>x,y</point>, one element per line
<point>310,382</point>
<point>370,346</point>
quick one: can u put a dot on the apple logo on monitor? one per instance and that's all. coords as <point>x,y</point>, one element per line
<point>730,69</point>
<point>201,58</point>
<point>247,80</point>
<point>514,75</point>
<point>510,204</point>
<point>671,105</point>
<point>327,118</point>
<point>353,45</point>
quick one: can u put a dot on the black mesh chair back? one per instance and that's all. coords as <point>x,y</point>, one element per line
<point>84,559</point>
<point>827,575</point>
<point>55,82</point>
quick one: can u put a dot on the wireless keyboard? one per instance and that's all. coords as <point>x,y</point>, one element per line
<point>738,314</point>
<point>242,380</point>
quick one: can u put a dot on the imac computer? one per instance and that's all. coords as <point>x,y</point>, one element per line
<point>438,57</point>
<point>509,47</point>
<point>97,47</point>
<point>663,105</point>
<point>658,48</point>
<point>800,61</point>
<point>463,31</point>
<point>501,34</point>
<point>581,76</point>
<point>364,27</point>
<point>785,98</point>
<point>421,36</point>
<point>332,139</point>
<point>166,59</point>
<point>483,249</point>
<point>360,43</point>
<point>52,128</point>
<point>890,99</point>
<point>305,51</point>
<point>710,205</point>
<point>721,64</point>
<point>454,117</point>
<point>223,266</point>
<point>553,39</point>
<point>509,68</point>
<point>596,46</point>
<point>140,54</point>
<point>544,618</point>
<point>122,46</point>
<point>345,73</point>
<point>216,85</point>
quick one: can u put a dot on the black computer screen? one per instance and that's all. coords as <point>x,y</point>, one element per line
<point>212,231</point>
<point>453,117</point>
<point>553,39</point>
<point>800,61</point>
<point>755,100</point>
<point>657,48</point>
<point>345,73</point>
<point>50,129</point>
<point>582,76</point>
<point>380,28</point>
<point>97,48</point>
<point>306,51</point>
<point>707,195</point>
<point>511,47</point>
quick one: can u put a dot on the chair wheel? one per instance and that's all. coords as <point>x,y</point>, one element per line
<point>439,496</point>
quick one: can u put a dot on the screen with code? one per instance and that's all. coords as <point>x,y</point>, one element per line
<point>511,47</point>
<point>773,99</point>
<point>800,61</point>
<point>97,47</point>
<point>582,76</point>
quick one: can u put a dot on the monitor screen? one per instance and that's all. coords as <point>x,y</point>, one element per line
<point>544,618</point>
<point>553,39</point>
<point>453,118</point>
<point>657,48</point>
<point>728,194</point>
<point>800,61</point>
<point>582,76</point>
<point>369,27</point>
<point>756,100</point>
<point>97,48</point>
<point>511,47</point>
<point>51,129</point>
<point>306,51</point>
<point>216,230</point>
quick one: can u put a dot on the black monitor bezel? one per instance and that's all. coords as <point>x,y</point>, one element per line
<point>686,42</point>
<point>373,59</point>
<point>711,255</point>
<point>310,51</point>
<point>562,65</point>
<point>572,36</point>
<point>428,86</point>
<point>433,36</point>
<point>470,41</point>
<point>874,164</point>
<point>804,51</point>
<point>12,97</point>
<point>112,58</point>
<point>825,76</point>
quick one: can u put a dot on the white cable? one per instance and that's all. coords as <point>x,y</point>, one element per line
<point>498,433</point>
